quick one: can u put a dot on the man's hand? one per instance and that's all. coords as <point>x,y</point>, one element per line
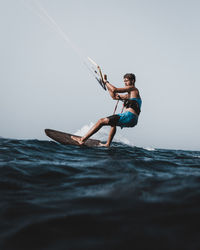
<point>104,79</point>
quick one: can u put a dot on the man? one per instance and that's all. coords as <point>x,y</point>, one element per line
<point>129,118</point>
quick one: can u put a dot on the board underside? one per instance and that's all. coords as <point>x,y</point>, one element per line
<point>65,138</point>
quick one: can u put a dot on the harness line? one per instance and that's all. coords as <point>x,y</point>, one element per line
<point>43,14</point>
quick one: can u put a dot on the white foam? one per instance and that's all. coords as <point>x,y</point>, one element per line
<point>149,149</point>
<point>84,129</point>
<point>102,134</point>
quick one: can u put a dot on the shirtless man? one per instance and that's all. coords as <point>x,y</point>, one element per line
<point>129,118</point>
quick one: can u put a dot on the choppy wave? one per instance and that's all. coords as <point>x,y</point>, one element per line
<point>67,197</point>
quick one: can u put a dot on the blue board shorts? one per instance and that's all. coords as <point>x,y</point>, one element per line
<point>126,119</point>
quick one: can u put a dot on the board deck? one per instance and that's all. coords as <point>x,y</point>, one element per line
<point>65,138</point>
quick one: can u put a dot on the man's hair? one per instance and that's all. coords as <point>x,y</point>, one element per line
<point>130,76</point>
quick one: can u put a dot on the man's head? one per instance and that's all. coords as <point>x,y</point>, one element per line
<point>129,79</point>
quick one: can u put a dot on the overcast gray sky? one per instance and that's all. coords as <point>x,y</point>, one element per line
<point>44,84</point>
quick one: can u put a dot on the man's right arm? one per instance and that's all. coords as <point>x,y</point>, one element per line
<point>113,94</point>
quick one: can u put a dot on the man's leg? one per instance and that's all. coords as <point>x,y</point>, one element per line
<point>101,122</point>
<point>110,137</point>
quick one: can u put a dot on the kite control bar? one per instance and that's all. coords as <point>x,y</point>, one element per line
<point>101,80</point>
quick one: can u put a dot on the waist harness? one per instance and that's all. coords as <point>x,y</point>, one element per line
<point>128,103</point>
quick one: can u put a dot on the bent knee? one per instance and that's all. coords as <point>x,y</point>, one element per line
<point>103,121</point>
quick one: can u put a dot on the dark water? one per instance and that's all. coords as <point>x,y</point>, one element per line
<point>65,197</point>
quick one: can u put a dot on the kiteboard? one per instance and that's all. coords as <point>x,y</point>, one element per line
<point>65,138</point>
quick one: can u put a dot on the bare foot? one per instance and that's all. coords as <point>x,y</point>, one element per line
<point>77,139</point>
<point>103,145</point>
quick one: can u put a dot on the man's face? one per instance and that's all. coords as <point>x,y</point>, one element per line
<point>127,82</point>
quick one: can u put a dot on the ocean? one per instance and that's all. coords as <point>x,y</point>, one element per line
<point>123,197</point>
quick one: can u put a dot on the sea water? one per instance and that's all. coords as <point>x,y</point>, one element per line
<point>54,196</point>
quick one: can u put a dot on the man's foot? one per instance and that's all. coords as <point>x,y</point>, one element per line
<point>77,139</point>
<point>103,145</point>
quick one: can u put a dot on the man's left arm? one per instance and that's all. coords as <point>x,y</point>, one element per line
<point>124,90</point>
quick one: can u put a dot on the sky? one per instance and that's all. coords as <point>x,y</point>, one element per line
<point>44,83</point>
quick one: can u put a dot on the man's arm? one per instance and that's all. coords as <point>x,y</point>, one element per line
<point>124,89</point>
<point>113,93</point>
